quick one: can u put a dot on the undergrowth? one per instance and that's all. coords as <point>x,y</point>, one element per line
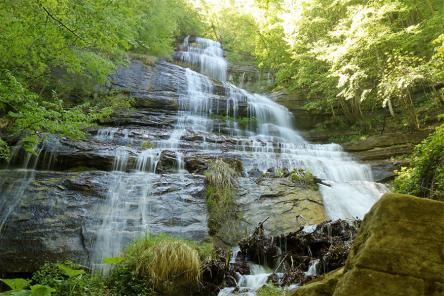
<point>153,265</point>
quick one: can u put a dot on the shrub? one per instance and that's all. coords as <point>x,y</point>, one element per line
<point>425,176</point>
<point>69,279</point>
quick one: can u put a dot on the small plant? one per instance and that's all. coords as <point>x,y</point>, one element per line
<point>304,178</point>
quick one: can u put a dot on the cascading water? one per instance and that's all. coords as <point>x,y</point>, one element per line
<point>207,54</point>
<point>348,191</point>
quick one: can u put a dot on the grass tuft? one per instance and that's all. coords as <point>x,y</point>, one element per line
<point>168,263</point>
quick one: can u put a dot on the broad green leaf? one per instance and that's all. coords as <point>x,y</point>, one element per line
<point>70,272</point>
<point>17,293</point>
<point>113,260</point>
<point>40,290</point>
<point>16,284</point>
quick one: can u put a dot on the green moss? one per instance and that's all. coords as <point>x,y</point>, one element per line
<point>270,290</point>
<point>146,145</point>
<point>221,187</point>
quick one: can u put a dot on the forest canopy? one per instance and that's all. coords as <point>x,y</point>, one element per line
<point>351,55</point>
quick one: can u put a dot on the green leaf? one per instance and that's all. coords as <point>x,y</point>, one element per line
<point>40,290</point>
<point>70,272</point>
<point>16,293</point>
<point>113,260</point>
<point>16,284</point>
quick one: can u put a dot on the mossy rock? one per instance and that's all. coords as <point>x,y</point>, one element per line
<point>398,251</point>
<point>322,286</point>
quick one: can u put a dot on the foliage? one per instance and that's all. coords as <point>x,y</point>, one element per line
<point>34,118</point>
<point>69,279</point>
<point>65,52</point>
<point>35,290</point>
<point>348,57</point>
<point>167,263</point>
<point>425,175</point>
<point>16,284</point>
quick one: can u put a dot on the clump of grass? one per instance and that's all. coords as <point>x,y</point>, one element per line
<point>221,175</point>
<point>303,177</point>
<point>167,263</point>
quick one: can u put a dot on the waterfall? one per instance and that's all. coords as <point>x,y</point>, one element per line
<point>227,121</point>
<point>207,54</point>
<point>125,214</point>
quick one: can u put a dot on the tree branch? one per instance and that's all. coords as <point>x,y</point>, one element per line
<point>58,21</point>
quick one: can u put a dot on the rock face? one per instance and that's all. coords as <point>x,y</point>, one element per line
<point>291,205</point>
<point>58,215</point>
<point>399,250</point>
<point>73,192</point>
<point>385,146</point>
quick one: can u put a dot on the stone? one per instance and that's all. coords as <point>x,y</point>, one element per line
<point>198,164</point>
<point>322,286</point>
<point>292,206</point>
<point>168,163</point>
<point>399,250</point>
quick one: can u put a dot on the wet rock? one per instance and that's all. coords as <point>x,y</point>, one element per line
<point>55,216</point>
<point>384,171</point>
<point>168,162</point>
<point>198,164</point>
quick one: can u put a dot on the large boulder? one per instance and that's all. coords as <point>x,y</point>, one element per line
<point>399,251</point>
<point>291,204</point>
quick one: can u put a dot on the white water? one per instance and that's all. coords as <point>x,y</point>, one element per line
<point>207,54</point>
<point>247,285</point>
<point>272,142</point>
